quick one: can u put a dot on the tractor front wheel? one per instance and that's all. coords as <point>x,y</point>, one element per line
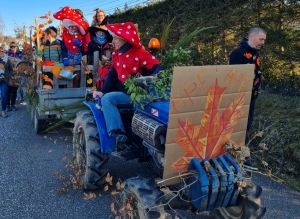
<point>141,200</point>
<point>249,205</point>
<point>90,163</point>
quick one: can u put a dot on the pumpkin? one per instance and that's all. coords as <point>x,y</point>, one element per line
<point>154,43</point>
<point>57,68</point>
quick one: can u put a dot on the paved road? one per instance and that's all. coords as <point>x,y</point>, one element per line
<point>28,163</point>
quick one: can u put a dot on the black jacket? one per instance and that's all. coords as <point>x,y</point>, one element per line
<point>92,47</point>
<point>245,54</point>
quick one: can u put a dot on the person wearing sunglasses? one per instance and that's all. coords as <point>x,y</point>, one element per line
<point>15,56</point>
<point>6,71</point>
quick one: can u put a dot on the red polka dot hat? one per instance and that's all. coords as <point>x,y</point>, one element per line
<point>126,31</point>
<point>70,17</point>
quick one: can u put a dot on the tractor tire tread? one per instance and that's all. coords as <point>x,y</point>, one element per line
<point>95,168</point>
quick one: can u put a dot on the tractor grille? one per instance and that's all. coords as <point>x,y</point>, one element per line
<point>145,127</point>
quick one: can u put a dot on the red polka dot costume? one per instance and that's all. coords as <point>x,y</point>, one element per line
<point>131,61</point>
<point>70,17</point>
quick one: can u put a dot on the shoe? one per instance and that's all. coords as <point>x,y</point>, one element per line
<point>4,114</point>
<point>8,108</point>
<point>248,165</point>
<point>13,108</point>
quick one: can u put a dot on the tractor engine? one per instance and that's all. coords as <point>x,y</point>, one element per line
<point>153,134</point>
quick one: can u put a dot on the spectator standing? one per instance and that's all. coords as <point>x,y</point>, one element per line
<point>248,53</point>
<point>15,56</point>
<point>6,71</point>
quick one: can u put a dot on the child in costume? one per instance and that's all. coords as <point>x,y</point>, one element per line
<point>100,39</point>
<point>75,39</point>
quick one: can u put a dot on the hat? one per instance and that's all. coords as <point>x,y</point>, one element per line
<point>126,31</point>
<point>92,30</point>
<point>70,17</point>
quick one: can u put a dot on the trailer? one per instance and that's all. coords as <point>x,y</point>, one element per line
<point>54,104</point>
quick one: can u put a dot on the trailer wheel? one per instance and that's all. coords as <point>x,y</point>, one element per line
<point>249,205</point>
<point>141,200</point>
<point>38,124</point>
<point>90,164</point>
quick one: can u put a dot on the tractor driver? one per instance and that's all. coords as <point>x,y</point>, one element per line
<point>129,58</point>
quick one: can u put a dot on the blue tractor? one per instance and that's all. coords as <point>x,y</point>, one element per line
<point>220,189</point>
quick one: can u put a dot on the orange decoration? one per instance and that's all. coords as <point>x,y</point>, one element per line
<point>154,43</point>
<point>206,141</point>
<point>256,81</point>
<point>258,61</point>
<point>57,68</point>
<point>26,45</point>
<point>248,55</point>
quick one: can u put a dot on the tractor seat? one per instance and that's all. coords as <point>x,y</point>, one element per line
<point>125,108</point>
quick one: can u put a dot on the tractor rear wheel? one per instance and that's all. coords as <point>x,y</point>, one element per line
<point>141,200</point>
<point>249,205</point>
<point>90,163</point>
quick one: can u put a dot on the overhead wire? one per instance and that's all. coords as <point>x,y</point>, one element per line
<point>97,3</point>
<point>79,3</point>
<point>111,9</point>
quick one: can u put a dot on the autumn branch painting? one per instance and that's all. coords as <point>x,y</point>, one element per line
<point>206,141</point>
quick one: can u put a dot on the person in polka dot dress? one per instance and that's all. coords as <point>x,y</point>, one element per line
<point>75,39</point>
<point>129,58</point>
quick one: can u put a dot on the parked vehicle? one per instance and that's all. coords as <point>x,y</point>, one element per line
<point>217,188</point>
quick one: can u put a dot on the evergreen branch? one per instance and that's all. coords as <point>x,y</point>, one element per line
<point>65,119</point>
<point>165,34</point>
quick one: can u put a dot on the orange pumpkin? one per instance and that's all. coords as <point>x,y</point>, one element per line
<point>57,68</point>
<point>154,43</point>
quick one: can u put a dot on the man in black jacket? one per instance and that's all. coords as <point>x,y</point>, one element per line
<point>247,53</point>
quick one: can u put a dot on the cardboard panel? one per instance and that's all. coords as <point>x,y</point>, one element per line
<point>209,105</point>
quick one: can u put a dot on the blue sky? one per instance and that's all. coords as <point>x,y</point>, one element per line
<point>24,12</point>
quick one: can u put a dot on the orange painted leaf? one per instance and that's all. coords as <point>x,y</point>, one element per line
<point>206,141</point>
<point>188,135</point>
<point>209,123</point>
<point>229,118</point>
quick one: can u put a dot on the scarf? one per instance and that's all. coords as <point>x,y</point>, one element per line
<point>100,38</point>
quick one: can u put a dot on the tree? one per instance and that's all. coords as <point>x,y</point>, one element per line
<point>126,7</point>
<point>2,28</point>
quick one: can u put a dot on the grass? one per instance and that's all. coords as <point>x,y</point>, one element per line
<point>278,116</point>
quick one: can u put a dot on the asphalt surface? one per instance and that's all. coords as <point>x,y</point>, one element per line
<point>30,166</point>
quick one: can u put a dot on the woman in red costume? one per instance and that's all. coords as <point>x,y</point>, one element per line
<point>129,58</point>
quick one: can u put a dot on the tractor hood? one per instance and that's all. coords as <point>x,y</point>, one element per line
<point>157,110</point>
